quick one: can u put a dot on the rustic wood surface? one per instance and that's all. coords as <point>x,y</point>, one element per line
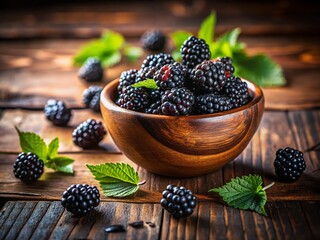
<point>37,43</point>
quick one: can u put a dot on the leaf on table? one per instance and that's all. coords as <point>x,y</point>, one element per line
<point>133,53</point>
<point>53,148</point>
<point>116,179</point>
<point>207,28</point>
<point>61,164</point>
<point>148,83</point>
<point>31,142</point>
<point>244,192</point>
<point>110,59</point>
<point>113,40</point>
<point>259,69</point>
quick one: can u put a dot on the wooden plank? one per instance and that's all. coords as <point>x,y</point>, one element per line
<point>33,221</point>
<point>312,216</point>
<point>35,121</point>
<point>5,212</point>
<point>87,20</point>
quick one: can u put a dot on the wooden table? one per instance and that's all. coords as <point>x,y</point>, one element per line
<point>36,47</point>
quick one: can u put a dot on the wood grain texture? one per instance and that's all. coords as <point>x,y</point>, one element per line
<point>298,129</point>
<point>182,146</point>
<point>35,121</point>
<point>210,220</point>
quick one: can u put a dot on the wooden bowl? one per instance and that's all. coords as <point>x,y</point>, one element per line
<point>182,146</point>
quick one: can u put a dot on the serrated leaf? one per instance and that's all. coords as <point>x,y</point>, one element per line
<point>148,83</point>
<point>259,69</point>
<point>31,142</point>
<point>244,192</point>
<point>113,40</point>
<point>118,189</point>
<point>111,59</point>
<point>207,28</point>
<point>61,164</point>
<point>116,179</point>
<point>132,53</point>
<point>178,38</point>
<point>53,148</point>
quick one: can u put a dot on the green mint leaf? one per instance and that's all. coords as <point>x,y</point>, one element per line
<point>177,55</point>
<point>113,40</point>
<point>259,69</point>
<point>53,148</point>
<point>231,37</point>
<point>116,179</point>
<point>110,59</point>
<point>61,164</point>
<point>132,53</point>
<point>178,38</point>
<point>244,192</point>
<point>148,83</point>
<point>31,142</point>
<point>206,31</point>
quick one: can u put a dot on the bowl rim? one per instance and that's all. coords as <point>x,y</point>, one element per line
<point>109,91</point>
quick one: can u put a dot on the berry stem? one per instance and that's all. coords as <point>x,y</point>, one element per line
<point>141,183</point>
<point>268,186</point>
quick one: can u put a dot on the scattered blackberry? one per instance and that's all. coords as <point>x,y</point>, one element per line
<point>80,199</point>
<point>289,164</point>
<point>228,67</point>
<point>153,40</point>
<point>91,70</point>
<point>194,51</point>
<point>28,167</point>
<point>57,112</point>
<point>146,73</point>
<point>154,108</point>
<point>157,60</point>
<point>88,134</point>
<point>127,78</point>
<point>212,103</point>
<point>178,201</point>
<point>208,77</point>
<point>91,97</point>
<point>170,76</point>
<point>136,99</point>
<point>237,91</point>
<point>177,102</point>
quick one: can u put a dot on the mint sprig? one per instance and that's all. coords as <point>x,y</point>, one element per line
<point>108,49</point>
<point>116,179</point>
<point>245,193</point>
<point>148,83</point>
<point>259,68</point>
<point>31,142</point>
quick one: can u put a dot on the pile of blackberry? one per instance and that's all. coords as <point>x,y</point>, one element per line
<point>197,86</point>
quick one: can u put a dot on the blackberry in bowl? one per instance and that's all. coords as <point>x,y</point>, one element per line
<point>187,145</point>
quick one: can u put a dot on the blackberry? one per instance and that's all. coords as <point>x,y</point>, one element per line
<point>136,99</point>
<point>177,102</point>
<point>228,67</point>
<point>146,73</point>
<point>57,112</point>
<point>170,76</point>
<point>178,201</point>
<point>153,40</point>
<point>88,134</point>
<point>212,103</point>
<point>28,167</point>
<point>289,164</point>
<point>91,97</point>
<point>237,91</point>
<point>157,60</point>
<point>91,70</point>
<point>207,77</point>
<point>80,199</point>
<point>194,51</point>
<point>154,108</point>
<point>127,78</point>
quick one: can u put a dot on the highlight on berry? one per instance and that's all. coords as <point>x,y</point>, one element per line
<point>198,85</point>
